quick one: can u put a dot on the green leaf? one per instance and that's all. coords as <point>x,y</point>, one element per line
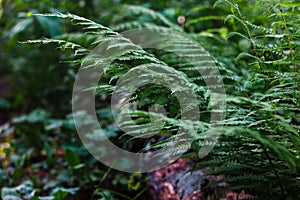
<point>50,24</point>
<point>290,4</point>
<point>281,150</point>
<point>21,26</point>
<point>71,157</point>
<point>61,193</point>
<point>53,124</point>
<point>3,175</point>
<point>4,104</point>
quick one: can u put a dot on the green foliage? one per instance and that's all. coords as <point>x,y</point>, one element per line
<point>25,191</point>
<point>260,144</point>
<point>259,151</point>
<point>256,52</point>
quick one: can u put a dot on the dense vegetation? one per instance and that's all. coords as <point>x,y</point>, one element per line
<point>255,48</point>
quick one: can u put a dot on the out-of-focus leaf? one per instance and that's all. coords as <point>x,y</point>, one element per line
<point>4,104</point>
<point>11,197</point>
<point>3,175</point>
<point>24,190</point>
<point>53,124</point>
<point>72,158</point>
<point>34,117</point>
<point>65,176</point>
<point>45,198</point>
<point>51,184</point>
<point>21,26</point>
<point>1,10</point>
<point>61,193</point>
<point>48,149</point>
<point>37,116</point>
<point>52,25</point>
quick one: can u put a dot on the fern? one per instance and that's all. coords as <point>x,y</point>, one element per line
<point>134,12</point>
<point>259,150</point>
<point>261,127</point>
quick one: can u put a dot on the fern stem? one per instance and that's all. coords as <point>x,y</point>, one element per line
<point>275,171</point>
<point>289,40</point>
<point>290,45</point>
<point>239,15</point>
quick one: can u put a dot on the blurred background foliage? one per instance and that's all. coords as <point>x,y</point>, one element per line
<point>38,76</point>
